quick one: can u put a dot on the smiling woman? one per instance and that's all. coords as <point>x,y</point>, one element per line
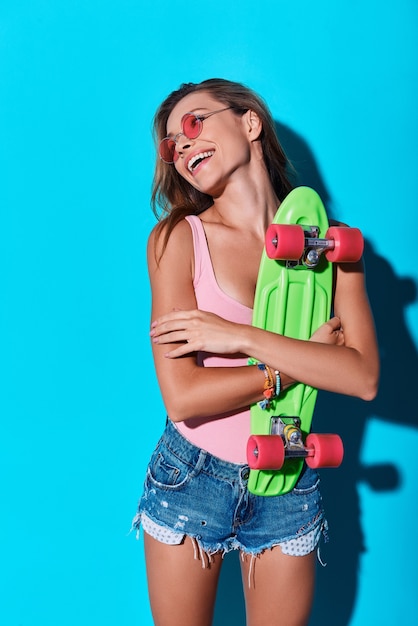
<point>220,177</point>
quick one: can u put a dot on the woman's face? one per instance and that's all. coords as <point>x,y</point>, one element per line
<point>209,161</point>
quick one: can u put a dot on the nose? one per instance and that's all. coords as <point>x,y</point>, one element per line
<point>181,143</point>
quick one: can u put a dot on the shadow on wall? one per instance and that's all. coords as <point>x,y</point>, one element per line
<point>389,297</point>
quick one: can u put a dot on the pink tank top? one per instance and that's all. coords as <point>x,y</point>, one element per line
<point>224,436</point>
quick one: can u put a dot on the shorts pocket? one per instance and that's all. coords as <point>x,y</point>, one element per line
<point>307,483</point>
<point>167,471</point>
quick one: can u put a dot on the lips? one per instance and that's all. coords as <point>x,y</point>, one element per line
<point>197,159</point>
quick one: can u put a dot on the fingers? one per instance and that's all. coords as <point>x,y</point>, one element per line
<point>335,323</point>
<point>160,329</point>
<point>330,332</point>
<point>170,328</point>
<point>177,327</point>
<point>175,320</point>
<point>337,331</point>
<point>174,337</point>
<point>198,330</point>
<point>166,333</point>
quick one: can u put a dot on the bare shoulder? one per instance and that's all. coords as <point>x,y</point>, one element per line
<point>178,247</point>
<point>171,269</point>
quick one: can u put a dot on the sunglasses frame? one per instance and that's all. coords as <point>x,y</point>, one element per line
<point>166,141</point>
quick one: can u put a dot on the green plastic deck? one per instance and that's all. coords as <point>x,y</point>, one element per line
<point>292,302</point>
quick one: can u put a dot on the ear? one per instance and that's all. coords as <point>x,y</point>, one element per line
<point>254,125</point>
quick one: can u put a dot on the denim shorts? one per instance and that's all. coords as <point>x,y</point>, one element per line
<point>190,492</point>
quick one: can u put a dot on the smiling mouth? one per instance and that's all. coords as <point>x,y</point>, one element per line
<point>197,159</point>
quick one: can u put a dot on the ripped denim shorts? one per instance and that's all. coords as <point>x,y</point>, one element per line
<point>190,492</point>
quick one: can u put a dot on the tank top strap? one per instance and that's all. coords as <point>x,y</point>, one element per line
<point>203,262</point>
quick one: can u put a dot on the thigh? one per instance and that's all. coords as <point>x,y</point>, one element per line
<point>278,588</point>
<point>182,588</point>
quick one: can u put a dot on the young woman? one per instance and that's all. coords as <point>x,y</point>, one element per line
<point>220,177</point>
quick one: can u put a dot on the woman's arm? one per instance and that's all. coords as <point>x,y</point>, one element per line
<point>351,369</point>
<point>189,390</point>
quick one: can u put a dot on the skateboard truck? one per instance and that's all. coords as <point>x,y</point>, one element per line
<point>313,248</point>
<point>289,429</point>
<point>298,244</point>
<point>285,441</point>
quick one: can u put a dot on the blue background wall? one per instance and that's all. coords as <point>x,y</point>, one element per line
<point>80,411</point>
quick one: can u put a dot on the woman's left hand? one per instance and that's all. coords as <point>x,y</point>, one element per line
<point>330,332</point>
<point>196,330</point>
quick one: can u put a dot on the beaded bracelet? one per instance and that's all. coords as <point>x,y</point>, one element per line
<point>271,386</point>
<point>278,383</point>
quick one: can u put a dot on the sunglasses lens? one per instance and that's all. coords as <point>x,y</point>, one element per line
<point>167,150</point>
<point>191,126</point>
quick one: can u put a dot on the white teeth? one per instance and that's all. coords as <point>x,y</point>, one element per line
<point>198,157</point>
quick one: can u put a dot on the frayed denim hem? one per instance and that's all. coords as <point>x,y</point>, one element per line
<point>204,552</point>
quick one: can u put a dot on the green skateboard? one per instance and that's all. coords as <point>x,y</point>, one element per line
<point>293,298</point>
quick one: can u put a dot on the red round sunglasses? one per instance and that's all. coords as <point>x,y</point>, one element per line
<point>191,127</point>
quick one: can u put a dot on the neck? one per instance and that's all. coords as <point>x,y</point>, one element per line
<point>249,203</point>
